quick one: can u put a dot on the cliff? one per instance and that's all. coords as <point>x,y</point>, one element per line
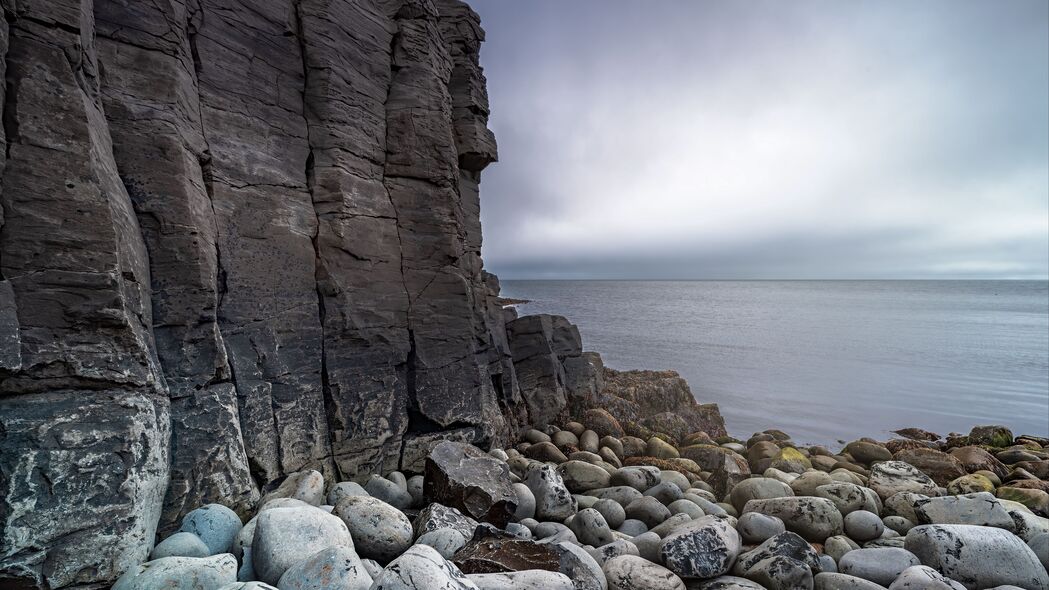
<point>240,239</point>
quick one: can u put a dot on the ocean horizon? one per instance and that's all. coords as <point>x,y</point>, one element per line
<point>826,360</point>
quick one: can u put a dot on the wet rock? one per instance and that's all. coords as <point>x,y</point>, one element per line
<point>380,531</point>
<point>334,567</point>
<point>462,476</point>
<point>492,552</point>
<point>976,459</point>
<point>553,501</point>
<point>180,572</point>
<point>992,436</point>
<point>880,565</point>
<point>978,557</point>
<point>422,567</point>
<point>286,536</point>
<point>703,548</point>
<point>891,477</point>
<point>941,467</point>
<point>867,452</point>
<point>815,519</point>
<point>630,572</point>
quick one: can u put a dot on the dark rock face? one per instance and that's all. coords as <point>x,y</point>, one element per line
<point>237,240</point>
<point>464,477</point>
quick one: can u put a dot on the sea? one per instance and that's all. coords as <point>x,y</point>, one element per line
<point>826,361</point>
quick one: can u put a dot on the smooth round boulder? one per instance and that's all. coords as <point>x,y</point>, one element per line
<point>307,486</point>
<point>880,565</point>
<point>891,477</point>
<point>180,545</point>
<point>685,506</point>
<point>380,531</point>
<point>923,577</point>
<point>445,541</point>
<point>614,549</point>
<point>898,524</point>
<point>388,491</point>
<point>590,528</point>
<point>780,572</point>
<point>815,519</point>
<point>640,478</point>
<point>666,492</point>
<point>580,476</point>
<point>286,536</point>
<point>344,489</point>
<point>755,528</point>
<point>181,572</point>
<point>612,511</point>
<point>976,556</point>
<point>522,580</point>
<point>553,501</point>
<point>216,525</point>
<point>862,526</point>
<point>632,527</point>
<point>757,488</point>
<point>631,572</point>
<point>421,566</point>
<point>334,567</point>
<point>580,566</point>
<point>525,502</point>
<point>839,581</point>
<point>648,510</point>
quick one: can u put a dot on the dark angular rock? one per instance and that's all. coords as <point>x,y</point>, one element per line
<point>494,552</point>
<point>464,477</point>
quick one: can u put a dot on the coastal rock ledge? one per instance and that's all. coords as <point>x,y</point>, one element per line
<point>239,257</point>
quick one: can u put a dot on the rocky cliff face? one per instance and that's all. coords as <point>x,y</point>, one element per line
<point>239,239</point>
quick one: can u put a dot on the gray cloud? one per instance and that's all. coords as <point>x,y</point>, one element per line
<point>696,139</point>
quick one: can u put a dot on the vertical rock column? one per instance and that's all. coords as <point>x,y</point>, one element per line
<point>149,89</point>
<point>83,414</point>
<point>249,70</point>
<point>346,47</point>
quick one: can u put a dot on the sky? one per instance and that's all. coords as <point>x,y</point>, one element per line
<point>699,139</point>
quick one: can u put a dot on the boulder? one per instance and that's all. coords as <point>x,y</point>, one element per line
<point>216,525</point>
<point>981,509</point>
<point>815,519</point>
<point>703,548</point>
<point>977,557</point>
<point>380,531</point>
<point>880,565</point>
<point>785,545</point>
<point>580,566</point>
<point>522,580</point>
<point>923,577</point>
<point>553,501</point>
<point>206,573</point>
<point>422,567</point>
<point>437,516</point>
<point>630,572</point>
<point>334,567</point>
<point>941,467</point>
<point>492,552</point>
<point>891,477</point>
<point>286,536</point>
<point>464,477</point>
<point>180,545</point>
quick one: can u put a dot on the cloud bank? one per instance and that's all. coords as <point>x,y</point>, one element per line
<point>767,139</point>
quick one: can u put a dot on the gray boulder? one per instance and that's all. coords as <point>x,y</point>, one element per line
<point>580,566</point>
<point>630,572</point>
<point>553,501</point>
<point>203,573</point>
<point>815,519</point>
<point>837,581</point>
<point>334,567</point>
<point>380,531</point>
<point>590,528</point>
<point>465,477</point>
<point>923,577</point>
<point>445,541</point>
<point>880,565</point>
<point>892,477</point>
<point>780,572</point>
<point>422,567</point>
<point>522,580</point>
<point>704,548</point>
<point>180,545</point>
<point>344,489</point>
<point>755,527</point>
<point>978,557</point>
<point>784,544</point>
<point>216,525</point>
<point>286,536</point>
<point>981,508</point>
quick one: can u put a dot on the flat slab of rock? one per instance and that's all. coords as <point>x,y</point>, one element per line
<point>465,477</point>
<point>978,557</point>
<point>490,552</point>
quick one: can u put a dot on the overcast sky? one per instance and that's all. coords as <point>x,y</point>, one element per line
<point>767,139</point>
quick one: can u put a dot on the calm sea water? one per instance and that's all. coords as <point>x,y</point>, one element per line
<point>827,360</point>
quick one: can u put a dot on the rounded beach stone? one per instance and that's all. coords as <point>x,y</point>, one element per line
<point>525,502</point>
<point>522,580</point>
<point>898,523</point>
<point>180,545</point>
<point>815,519</point>
<point>880,565</point>
<point>839,581</point>
<point>648,546</point>
<point>589,441</point>
<point>632,527</point>
<point>923,577</point>
<point>286,536</point>
<point>612,511</point>
<point>553,501</point>
<point>580,566</point>
<point>580,476</point>
<point>978,557</point>
<point>780,572</point>
<point>630,572</point>
<point>388,491</point>
<point>726,583</point>
<point>307,486</point>
<point>216,525</point>
<point>181,572</point>
<point>703,548</point>
<point>757,488</point>
<point>421,566</point>
<point>755,527</point>
<point>685,506</point>
<point>862,526</point>
<point>623,495</point>
<point>786,544</point>
<point>1040,545</point>
<point>848,497</point>
<point>614,549</point>
<point>806,483</point>
<point>660,449</point>
<point>380,531</point>
<point>867,452</point>
<point>981,509</point>
<point>248,586</point>
<point>345,489</point>
<point>891,477</point>
<point>445,541</point>
<point>838,545</point>
<point>640,478</point>
<point>671,524</point>
<point>334,567</point>
<point>675,477</point>
<point>666,492</point>
<point>590,528</point>
<point>648,510</point>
